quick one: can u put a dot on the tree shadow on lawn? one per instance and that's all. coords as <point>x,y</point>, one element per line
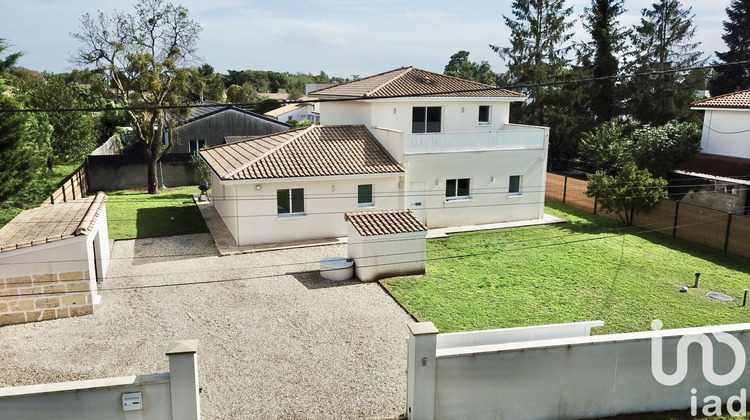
<point>594,224</point>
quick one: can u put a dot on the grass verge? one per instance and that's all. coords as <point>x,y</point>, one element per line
<point>136,214</point>
<point>587,269</point>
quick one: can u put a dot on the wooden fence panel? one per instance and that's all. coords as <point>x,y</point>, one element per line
<point>555,187</point>
<point>695,224</point>
<point>702,226</point>
<point>739,236</point>
<point>660,218</point>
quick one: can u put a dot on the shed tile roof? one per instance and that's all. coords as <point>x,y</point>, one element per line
<point>387,222</point>
<point>739,99</point>
<point>716,166</point>
<point>410,81</point>
<point>306,152</point>
<point>52,223</point>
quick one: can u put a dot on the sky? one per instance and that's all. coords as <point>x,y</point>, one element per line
<point>341,37</point>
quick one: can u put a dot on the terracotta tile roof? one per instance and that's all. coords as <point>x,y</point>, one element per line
<point>716,166</point>
<point>316,150</point>
<point>739,99</point>
<point>410,81</point>
<point>52,223</point>
<point>388,222</point>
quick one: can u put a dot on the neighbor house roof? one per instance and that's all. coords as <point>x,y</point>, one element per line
<point>281,96</point>
<point>209,108</point>
<point>316,150</point>
<point>275,113</point>
<point>725,168</point>
<point>386,222</point>
<point>410,81</point>
<point>739,99</point>
<point>52,223</point>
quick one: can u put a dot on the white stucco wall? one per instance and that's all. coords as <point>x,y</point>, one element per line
<point>727,133</point>
<point>326,201</point>
<point>489,174</point>
<point>100,398</point>
<point>377,257</point>
<point>569,377</point>
<point>346,112</point>
<point>223,200</point>
<point>68,255</point>
<point>458,114</point>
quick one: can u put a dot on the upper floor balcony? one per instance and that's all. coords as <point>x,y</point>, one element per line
<point>512,137</point>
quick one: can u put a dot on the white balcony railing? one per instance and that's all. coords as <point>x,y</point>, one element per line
<point>531,138</point>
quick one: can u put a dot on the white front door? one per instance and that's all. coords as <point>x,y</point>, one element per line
<point>416,200</point>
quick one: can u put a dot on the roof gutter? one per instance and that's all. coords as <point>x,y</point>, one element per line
<point>714,177</point>
<point>309,178</point>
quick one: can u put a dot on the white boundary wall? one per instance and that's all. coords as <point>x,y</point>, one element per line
<point>172,395</point>
<point>573,377</point>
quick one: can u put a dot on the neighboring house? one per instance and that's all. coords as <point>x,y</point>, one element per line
<point>301,111</point>
<point>723,165</point>
<point>279,96</point>
<point>208,125</point>
<point>440,146</point>
<point>52,258</point>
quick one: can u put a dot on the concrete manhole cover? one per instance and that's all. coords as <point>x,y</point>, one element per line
<point>720,296</point>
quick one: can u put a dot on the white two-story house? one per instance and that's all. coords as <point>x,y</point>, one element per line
<point>440,146</point>
<point>722,167</point>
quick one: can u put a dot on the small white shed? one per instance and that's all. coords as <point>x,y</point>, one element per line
<point>51,259</point>
<point>386,244</point>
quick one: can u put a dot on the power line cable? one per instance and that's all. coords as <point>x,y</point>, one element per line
<point>483,253</point>
<point>446,92</point>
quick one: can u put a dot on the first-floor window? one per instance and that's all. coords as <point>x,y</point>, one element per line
<point>364,195</point>
<point>484,114</point>
<point>514,187</point>
<point>457,188</point>
<point>290,201</point>
<point>196,145</point>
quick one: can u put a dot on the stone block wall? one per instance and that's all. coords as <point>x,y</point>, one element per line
<point>46,296</point>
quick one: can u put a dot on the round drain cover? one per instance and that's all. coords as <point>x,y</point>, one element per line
<point>720,296</point>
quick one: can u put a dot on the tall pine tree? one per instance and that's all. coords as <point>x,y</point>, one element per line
<point>539,44</point>
<point>728,79</point>
<point>16,151</point>
<point>661,42</point>
<point>600,57</point>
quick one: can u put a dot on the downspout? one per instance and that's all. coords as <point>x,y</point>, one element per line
<point>237,214</point>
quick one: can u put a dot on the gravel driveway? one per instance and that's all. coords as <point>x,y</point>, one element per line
<point>273,344</point>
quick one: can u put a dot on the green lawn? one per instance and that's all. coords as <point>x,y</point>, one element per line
<point>136,214</point>
<point>587,269</point>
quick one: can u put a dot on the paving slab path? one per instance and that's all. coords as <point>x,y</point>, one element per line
<point>276,341</point>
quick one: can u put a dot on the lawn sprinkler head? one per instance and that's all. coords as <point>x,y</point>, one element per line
<point>697,279</point>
